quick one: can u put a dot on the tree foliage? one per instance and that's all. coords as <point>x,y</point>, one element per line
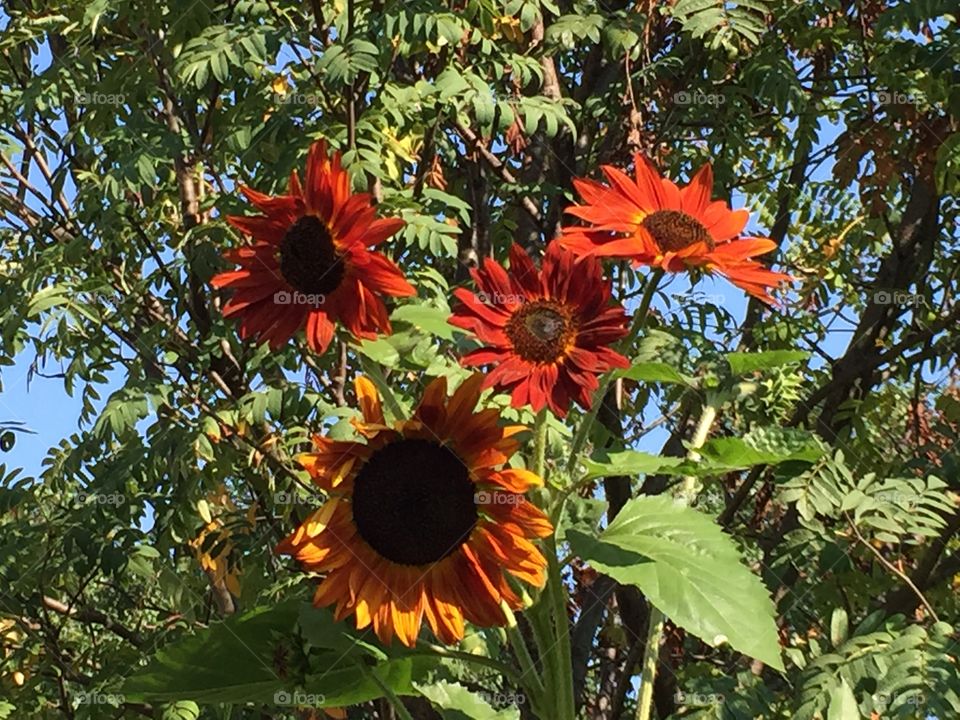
<point>814,577</point>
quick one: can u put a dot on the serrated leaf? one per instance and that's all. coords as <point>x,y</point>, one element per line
<point>630,462</point>
<point>652,371</point>
<point>742,363</point>
<point>458,703</point>
<point>689,569</point>
<point>228,662</point>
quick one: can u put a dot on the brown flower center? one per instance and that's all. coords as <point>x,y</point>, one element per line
<point>541,331</point>
<point>674,230</point>
<point>309,260</point>
<point>413,502</point>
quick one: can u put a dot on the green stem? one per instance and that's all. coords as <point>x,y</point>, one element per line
<point>540,444</point>
<point>555,648</point>
<point>530,678</point>
<point>686,495</point>
<point>431,650</point>
<point>689,489</point>
<point>390,695</point>
<point>561,622</point>
<point>639,323</point>
<point>650,657</point>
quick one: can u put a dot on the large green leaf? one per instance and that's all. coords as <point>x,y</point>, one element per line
<point>236,661</point>
<point>762,446</point>
<point>458,703</point>
<point>230,662</point>
<point>630,462</point>
<point>725,454</point>
<point>690,570</point>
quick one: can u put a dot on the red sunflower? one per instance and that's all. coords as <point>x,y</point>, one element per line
<point>547,333</point>
<point>423,522</point>
<point>310,264</point>
<point>652,222</point>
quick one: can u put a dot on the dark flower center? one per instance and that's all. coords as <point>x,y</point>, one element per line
<point>673,230</point>
<point>413,502</point>
<point>308,258</point>
<point>541,331</point>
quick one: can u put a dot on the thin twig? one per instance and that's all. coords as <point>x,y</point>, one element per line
<point>892,568</point>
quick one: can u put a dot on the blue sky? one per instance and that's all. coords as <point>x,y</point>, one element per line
<point>44,407</point>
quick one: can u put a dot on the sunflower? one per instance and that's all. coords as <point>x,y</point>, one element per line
<point>545,333</point>
<point>423,521</point>
<point>653,222</point>
<point>310,263</point>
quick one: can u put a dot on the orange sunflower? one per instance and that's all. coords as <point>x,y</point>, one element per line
<point>547,333</point>
<point>310,264</point>
<point>652,222</point>
<point>423,521</point>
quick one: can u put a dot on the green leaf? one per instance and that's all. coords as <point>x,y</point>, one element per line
<point>183,710</point>
<point>430,319</point>
<point>230,662</point>
<point>656,372</point>
<point>759,447</point>
<point>380,350</point>
<point>320,630</point>
<point>839,627</point>
<point>46,298</point>
<point>630,462</point>
<point>843,703</point>
<point>689,569</point>
<point>582,514</point>
<point>742,363</point>
<point>458,703</point>
<point>340,682</point>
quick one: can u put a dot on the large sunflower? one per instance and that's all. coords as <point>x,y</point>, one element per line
<point>652,222</point>
<point>310,263</point>
<point>423,521</point>
<point>545,333</point>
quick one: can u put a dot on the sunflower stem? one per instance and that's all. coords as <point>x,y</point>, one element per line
<point>529,676</point>
<point>555,648</point>
<point>398,707</point>
<point>540,444</point>
<point>431,650</point>
<point>686,494</point>
<point>561,651</point>
<point>651,652</point>
<point>636,327</point>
